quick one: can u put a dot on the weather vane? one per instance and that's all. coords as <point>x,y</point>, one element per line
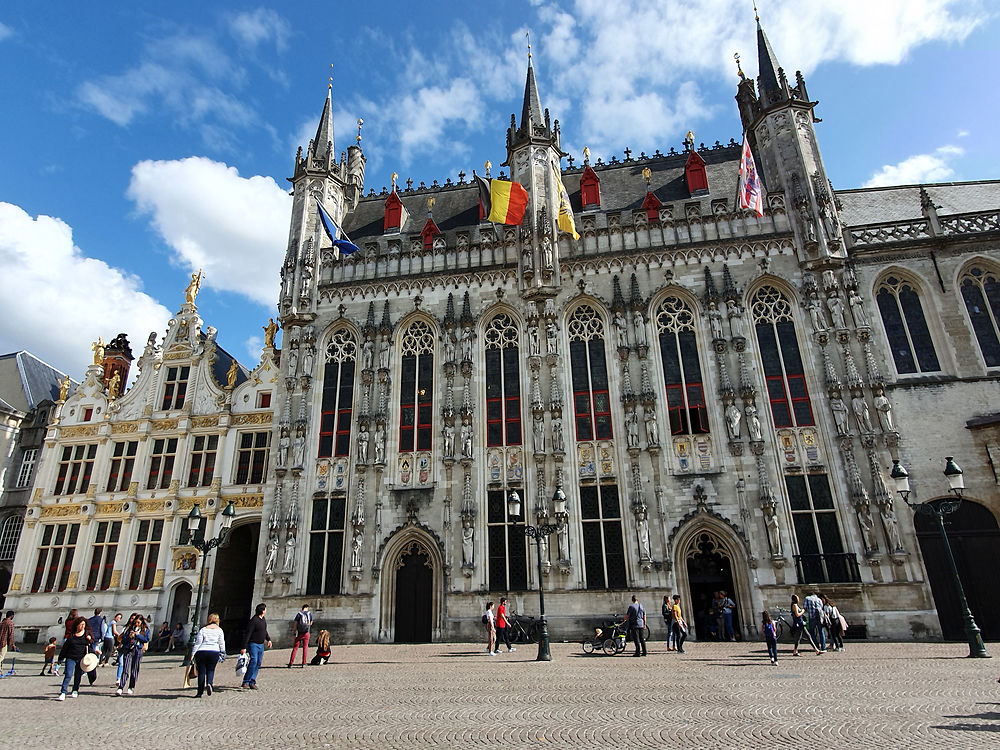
<point>647,175</point>
<point>488,166</point>
<point>527,35</point>
<point>586,155</point>
<point>329,84</point>
<point>739,68</point>
<point>394,178</point>
<point>360,123</point>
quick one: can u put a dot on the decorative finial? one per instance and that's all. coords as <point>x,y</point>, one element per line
<point>360,123</point>
<point>739,68</point>
<point>329,84</point>
<point>430,204</point>
<point>756,15</point>
<point>689,140</point>
<point>488,166</point>
<point>527,35</point>
<point>647,175</point>
<point>394,178</point>
<point>586,155</point>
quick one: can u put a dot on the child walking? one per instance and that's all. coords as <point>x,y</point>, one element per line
<point>770,634</point>
<point>50,656</point>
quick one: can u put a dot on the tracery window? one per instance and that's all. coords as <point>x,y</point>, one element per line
<point>416,388</point>
<point>981,292</point>
<point>905,327</point>
<point>326,545</point>
<point>681,368</point>
<point>603,544</point>
<point>816,529</point>
<point>338,395</point>
<point>782,363</point>
<point>503,383</point>
<point>589,371</point>
<point>508,550</point>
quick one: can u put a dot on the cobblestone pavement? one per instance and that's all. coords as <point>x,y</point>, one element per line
<point>455,695</point>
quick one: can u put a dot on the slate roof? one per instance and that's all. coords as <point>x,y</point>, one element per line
<point>456,207</point>
<point>26,380</point>
<point>900,203</point>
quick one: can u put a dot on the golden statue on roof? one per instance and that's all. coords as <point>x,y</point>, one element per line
<point>269,332</point>
<point>98,347</point>
<point>193,287</point>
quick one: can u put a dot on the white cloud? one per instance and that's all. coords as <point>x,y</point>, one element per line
<point>5,31</point>
<point>254,346</point>
<point>933,167</point>
<point>71,299</point>
<point>235,228</point>
<point>261,25</point>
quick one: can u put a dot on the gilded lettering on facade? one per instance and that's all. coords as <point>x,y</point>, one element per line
<point>246,501</point>
<point>107,508</point>
<point>148,506</point>
<point>120,428</point>
<point>197,422</point>
<point>61,511</point>
<point>83,430</point>
<point>244,419</point>
<point>165,424</point>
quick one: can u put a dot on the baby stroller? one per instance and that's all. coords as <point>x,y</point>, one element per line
<point>609,638</point>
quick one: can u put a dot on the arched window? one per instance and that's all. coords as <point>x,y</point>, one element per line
<point>338,395</point>
<point>10,534</point>
<point>981,292</point>
<point>905,327</point>
<point>503,383</point>
<point>779,354</point>
<point>416,388</point>
<point>589,370</point>
<point>681,368</point>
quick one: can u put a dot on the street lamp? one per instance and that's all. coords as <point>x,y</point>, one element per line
<point>939,510</point>
<point>204,545</point>
<point>536,533</point>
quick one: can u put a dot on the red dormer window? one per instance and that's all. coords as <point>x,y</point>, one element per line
<point>590,189</point>
<point>695,174</point>
<point>652,206</point>
<point>393,213</point>
<point>429,232</point>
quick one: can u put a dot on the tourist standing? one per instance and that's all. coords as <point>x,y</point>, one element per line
<point>836,626</point>
<point>257,637</point>
<point>491,631</point>
<point>770,634</point>
<point>303,622</point>
<point>74,648</point>
<point>503,625</point>
<point>209,649</point>
<point>799,626</point>
<point>668,620</point>
<point>7,636</point>
<point>636,619</point>
<point>678,623</point>
<point>817,621</point>
<point>726,607</point>
<point>135,638</point>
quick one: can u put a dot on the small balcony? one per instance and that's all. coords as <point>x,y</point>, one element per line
<point>841,567</point>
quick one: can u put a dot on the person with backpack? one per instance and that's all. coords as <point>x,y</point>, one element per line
<point>503,626</point>
<point>836,624</point>
<point>491,631</point>
<point>302,623</point>
<point>636,619</point>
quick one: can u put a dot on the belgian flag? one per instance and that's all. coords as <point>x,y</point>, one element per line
<point>503,202</point>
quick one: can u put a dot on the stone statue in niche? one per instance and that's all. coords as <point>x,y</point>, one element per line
<point>449,441</point>
<point>449,346</point>
<point>551,337</point>
<point>368,353</point>
<point>830,222</point>
<point>884,410</point>
<point>562,540</point>
<point>733,417</point>
<point>858,309</point>
<point>867,524</point>
<point>753,423</point>
<point>380,443</point>
<point>383,353</point>
<point>816,316</point>
<point>840,417</point>
<point>466,344</point>
<point>558,444</point>
<point>715,321</point>
<point>538,434</point>
<point>773,533</point>
<point>467,440</point>
<point>293,361</point>
<point>861,413</point>
<point>639,325</point>
<point>307,361</point>
<point>289,561</point>
<point>642,528</point>
<point>807,222</point>
<point>836,312</point>
<point>284,442</point>
<point>621,330</point>
<point>632,425</point>
<point>547,253</point>
<point>533,344</point>
<point>891,525</point>
<point>299,449</point>
<point>736,320</point>
<point>363,436</point>
<point>356,544</point>
<point>271,556</point>
<point>652,427</point>
<point>468,539</point>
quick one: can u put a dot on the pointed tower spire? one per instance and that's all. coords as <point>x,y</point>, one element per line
<point>531,109</point>
<point>535,125</point>
<point>322,145</point>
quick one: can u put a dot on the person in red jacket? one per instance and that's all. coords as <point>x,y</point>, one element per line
<point>503,630</point>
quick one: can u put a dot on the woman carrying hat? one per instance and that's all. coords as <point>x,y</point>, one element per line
<point>134,639</point>
<point>74,651</point>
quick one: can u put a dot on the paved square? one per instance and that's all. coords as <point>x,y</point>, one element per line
<point>455,695</point>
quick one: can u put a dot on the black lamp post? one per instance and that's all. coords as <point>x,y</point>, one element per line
<point>939,510</point>
<point>536,533</point>
<point>204,545</point>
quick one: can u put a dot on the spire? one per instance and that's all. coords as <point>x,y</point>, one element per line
<point>767,64</point>
<point>531,110</point>
<point>535,125</point>
<point>322,145</point>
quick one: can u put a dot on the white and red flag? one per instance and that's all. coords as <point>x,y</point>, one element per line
<point>750,190</point>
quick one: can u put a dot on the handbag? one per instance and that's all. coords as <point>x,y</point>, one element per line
<point>242,662</point>
<point>191,673</point>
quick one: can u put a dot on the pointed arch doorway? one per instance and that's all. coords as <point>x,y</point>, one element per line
<point>412,588</point>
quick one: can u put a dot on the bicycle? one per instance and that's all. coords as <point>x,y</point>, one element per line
<point>610,639</point>
<point>521,633</point>
<point>781,625</point>
<point>645,629</point>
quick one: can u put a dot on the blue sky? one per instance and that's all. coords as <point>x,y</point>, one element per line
<point>141,143</point>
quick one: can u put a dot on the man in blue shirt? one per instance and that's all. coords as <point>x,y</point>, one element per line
<point>636,619</point>
<point>813,606</point>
